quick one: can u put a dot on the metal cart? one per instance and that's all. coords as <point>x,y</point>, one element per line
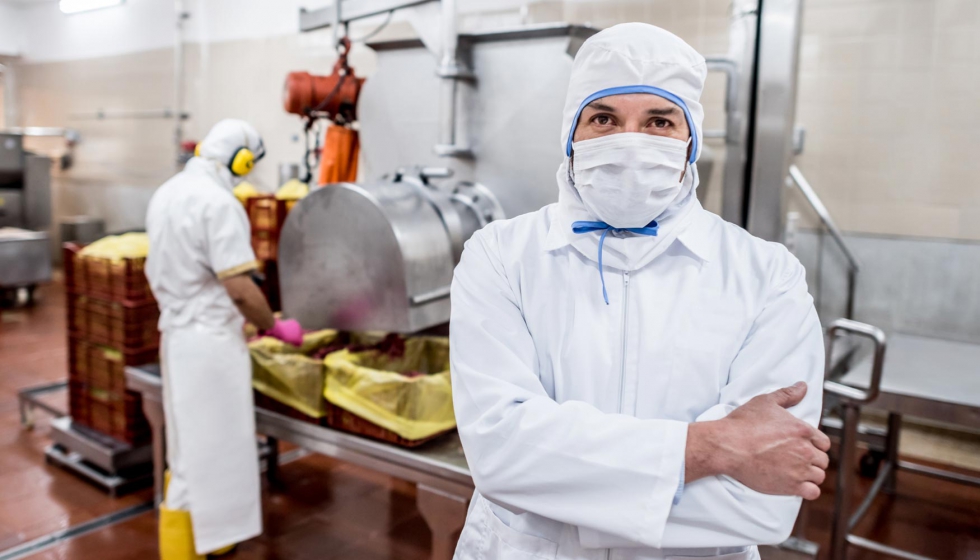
<point>930,379</point>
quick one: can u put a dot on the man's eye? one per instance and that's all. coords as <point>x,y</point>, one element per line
<point>661,123</point>
<point>602,120</point>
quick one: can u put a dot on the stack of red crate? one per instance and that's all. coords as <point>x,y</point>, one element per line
<point>267,214</point>
<point>112,323</point>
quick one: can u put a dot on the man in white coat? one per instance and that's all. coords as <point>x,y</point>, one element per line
<point>633,377</point>
<point>198,267</point>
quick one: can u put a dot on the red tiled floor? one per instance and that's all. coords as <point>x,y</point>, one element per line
<point>35,498</point>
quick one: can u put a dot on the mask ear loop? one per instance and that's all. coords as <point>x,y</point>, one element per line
<point>687,160</point>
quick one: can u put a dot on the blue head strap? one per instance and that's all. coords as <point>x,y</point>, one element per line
<point>637,89</point>
<point>587,227</point>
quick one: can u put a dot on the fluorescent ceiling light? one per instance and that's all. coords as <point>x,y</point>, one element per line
<point>75,6</point>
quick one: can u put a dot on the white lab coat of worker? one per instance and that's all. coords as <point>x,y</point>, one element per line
<point>199,235</point>
<point>573,413</point>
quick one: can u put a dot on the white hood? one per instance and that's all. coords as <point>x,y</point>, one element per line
<point>223,142</point>
<point>636,58</point>
<point>631,58</point>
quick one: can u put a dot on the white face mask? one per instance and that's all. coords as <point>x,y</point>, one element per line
<point>629,179</point>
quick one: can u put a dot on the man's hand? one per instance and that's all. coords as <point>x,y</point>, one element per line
<point>762,446</point>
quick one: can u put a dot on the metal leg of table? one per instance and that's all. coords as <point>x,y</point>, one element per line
<point>30,399</point>
<point>272,461</point>
<point>445,514</point>
<point>153,409</point>
<point>851,415</point>
<point>891,450</point>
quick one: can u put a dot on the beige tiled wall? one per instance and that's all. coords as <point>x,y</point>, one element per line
<point>887,95</point>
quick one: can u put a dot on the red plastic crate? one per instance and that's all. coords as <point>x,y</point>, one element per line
<point>266,213</point>
<point>265,244</point>
<point>268,403</point>
<point>78,356</point>
<point>77,315</point>
<point>78,402</point>
<point>119,416</point>
<point>107,367</point>
<point>341,419</point>
<point>122,280</point>
<point>74,278</point>
<point>122,326</point>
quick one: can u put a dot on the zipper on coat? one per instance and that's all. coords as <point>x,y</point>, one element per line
<point>622,367</point>
<point>626,314</point>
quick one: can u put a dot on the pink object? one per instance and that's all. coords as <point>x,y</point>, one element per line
<point>287,330</point>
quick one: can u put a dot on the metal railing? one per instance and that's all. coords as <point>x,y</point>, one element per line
<point>797,179</point>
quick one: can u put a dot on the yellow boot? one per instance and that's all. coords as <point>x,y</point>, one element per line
<point>177,533</point>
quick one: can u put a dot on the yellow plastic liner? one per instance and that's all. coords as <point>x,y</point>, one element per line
<point>244,191</point>
<point>370,384</point>
<point>291,375</point>
<point>118,247</point>
<point>288,374</point>
<point>294,189</point>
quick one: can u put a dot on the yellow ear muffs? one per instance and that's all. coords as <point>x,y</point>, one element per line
<point>197,150</point>
<point>242,162</point>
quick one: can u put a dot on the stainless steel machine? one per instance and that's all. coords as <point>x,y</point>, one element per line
<point>25,216</point>
<point>379,256</point>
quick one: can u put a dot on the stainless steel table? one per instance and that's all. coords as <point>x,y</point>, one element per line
<point>438,468</point>
<point>931,379</point>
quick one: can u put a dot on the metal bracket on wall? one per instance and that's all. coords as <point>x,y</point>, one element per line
<point>349,10</point>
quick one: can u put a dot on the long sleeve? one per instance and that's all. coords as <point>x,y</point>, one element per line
<point>568,462</point>
<point>784,345</point>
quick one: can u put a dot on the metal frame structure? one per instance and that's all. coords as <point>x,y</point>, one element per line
<point>346,11</point>
<point>797,179</point>
<point>774,115</point>
<point>743,39</point>
<point>851,401</point>
<point>111,465</point>
<point>883,446</point>
<point>30,398</point>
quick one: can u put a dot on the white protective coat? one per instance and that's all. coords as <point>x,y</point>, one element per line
<point>573,413</point>
<point>199,234</point>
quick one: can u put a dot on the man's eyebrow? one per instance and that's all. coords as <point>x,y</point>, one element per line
<point>599,106</point>
<point>662,112</point>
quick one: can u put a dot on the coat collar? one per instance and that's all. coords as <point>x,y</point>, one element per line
<point>212,169</point>
<point>696,236</point>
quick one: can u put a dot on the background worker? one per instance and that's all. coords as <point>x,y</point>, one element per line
<point>630,373</point>
<point>199,268</point>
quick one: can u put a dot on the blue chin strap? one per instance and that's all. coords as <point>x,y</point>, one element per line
<point>621,90</point>
<point>588,227</point>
